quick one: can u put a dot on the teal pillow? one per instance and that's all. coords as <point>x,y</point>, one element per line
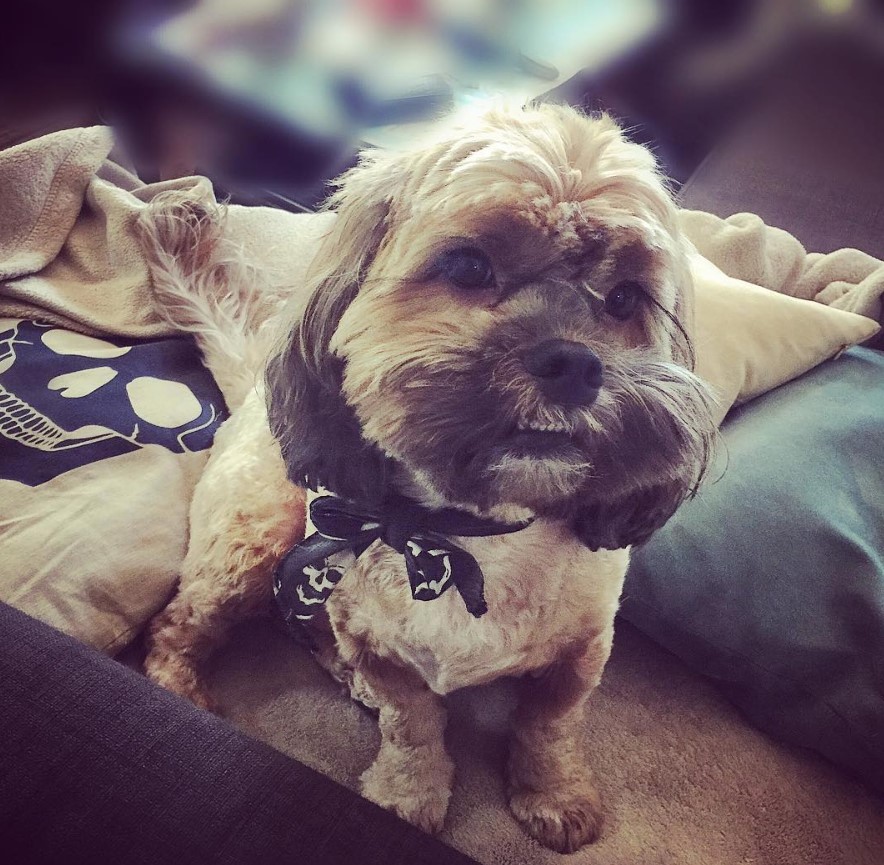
<point>771,581</point>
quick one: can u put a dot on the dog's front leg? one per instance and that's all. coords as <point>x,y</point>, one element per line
<point>412,774</point>
<point>550,786</point>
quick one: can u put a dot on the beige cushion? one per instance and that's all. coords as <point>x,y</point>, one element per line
<point>101,445</point>
<point>95,552</point>
<point>749,340</point>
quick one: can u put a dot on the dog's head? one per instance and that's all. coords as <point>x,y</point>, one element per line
<point>502,313</point>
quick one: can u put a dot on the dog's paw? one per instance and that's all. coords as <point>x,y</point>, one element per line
<point>180,678</point>
<point>562,821</point>
<point>418,793</point>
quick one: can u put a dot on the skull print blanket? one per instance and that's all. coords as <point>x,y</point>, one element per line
<point>106,413</point>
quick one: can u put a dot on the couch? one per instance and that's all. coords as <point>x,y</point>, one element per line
<point>100,766</point>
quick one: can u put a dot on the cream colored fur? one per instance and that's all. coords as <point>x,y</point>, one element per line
<point>551,600</point>
<point>546,593</point>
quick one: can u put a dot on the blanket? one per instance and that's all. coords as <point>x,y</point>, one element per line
<point>69,254</point>
<point>72,261</point>
<point>107,413</point>
<point>745,248</point>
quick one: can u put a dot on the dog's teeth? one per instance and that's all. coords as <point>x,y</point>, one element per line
<point>542,427</point>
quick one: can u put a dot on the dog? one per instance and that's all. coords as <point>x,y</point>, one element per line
<point>498,329</point>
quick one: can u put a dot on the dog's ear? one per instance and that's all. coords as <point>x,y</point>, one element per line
<point>641,482</point>
<point>630,520</point>
<point>320,436</point>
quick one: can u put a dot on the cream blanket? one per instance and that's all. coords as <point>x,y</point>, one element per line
<point>69,254</point>
<point>745,248</point>
<point>96,549</point>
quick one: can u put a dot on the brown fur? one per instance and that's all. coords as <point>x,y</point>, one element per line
<point>398,379</point>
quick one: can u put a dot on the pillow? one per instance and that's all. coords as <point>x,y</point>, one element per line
<point>749,340</point>
<point>101,444</point>
<point>771,581</point>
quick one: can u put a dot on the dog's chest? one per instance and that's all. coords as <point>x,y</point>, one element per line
<point>545,592</point>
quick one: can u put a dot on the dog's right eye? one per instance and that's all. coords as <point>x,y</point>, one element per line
<point>466,268</point>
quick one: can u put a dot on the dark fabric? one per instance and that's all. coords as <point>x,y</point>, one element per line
<point>100,767</point>
<point>809,157</point>
<point>771,581</point>
<point>309,572</point>
<point>67,400</point>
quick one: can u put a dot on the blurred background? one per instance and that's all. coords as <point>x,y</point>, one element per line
<point>271,98</point>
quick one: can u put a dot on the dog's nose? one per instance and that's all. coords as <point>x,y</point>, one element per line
<point>567,372</point>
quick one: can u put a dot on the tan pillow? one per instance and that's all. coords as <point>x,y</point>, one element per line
<point>749,339</point>
<point>101,445</point>
<point>95,552</point>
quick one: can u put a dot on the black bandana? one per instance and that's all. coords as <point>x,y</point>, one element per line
<point>309,572</point>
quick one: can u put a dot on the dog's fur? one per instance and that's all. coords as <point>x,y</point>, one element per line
<point>396,379</point>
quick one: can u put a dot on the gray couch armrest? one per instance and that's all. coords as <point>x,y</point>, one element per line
<point>808,159</point>
<point>100,766</point>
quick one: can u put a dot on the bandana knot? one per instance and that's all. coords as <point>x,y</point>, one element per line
<point>309,572</point>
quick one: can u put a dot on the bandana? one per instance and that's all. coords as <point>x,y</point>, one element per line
<point>309,572</point>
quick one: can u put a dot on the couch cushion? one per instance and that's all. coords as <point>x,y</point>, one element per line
<point>772,580</point>
<point>101,444</point>
<point>749,339</point>
<point>808,157</point>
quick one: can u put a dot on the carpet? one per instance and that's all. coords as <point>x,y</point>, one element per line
<point>684,779</point>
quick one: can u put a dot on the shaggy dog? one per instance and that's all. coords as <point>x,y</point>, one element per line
<point>499,324</point>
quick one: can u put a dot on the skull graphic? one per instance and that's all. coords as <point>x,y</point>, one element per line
<point>67,399</point>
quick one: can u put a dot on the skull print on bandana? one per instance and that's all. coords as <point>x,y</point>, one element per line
<point>308,573</point>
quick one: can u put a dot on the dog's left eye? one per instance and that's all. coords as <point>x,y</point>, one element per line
<point>623,299</point>
<point>466,268</point>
